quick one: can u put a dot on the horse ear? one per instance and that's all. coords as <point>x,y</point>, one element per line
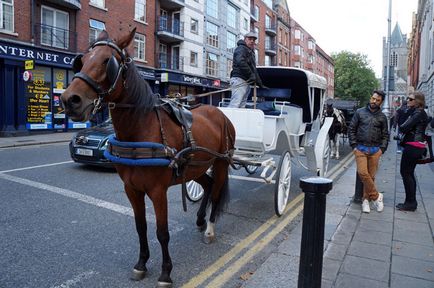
<point>124,41</point>
<point>102,35</point>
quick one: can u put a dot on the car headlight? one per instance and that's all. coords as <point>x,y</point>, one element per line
<point>104,145</point>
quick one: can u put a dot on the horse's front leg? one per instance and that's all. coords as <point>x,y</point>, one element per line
<point>159,200</point>
<point>338,139</point>
<point>137,200</point>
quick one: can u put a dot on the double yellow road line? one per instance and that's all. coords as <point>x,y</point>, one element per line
<point>295,207</point>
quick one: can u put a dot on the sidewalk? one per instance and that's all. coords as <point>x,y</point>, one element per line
<point>389,249</point>
<point>36,139</point>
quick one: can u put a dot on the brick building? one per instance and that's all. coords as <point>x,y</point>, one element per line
<point>181,46</point>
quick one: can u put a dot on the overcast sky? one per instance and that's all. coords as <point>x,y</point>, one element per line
<point>357,26</point>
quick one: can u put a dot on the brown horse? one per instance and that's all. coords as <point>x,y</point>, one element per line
<point>106,74</point>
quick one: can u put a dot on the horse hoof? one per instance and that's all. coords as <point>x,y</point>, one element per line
<point>208,239</point>
<point>138,275</point>
<point>161,284</point>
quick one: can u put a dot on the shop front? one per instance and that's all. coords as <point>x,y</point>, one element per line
<point>174,84</point>
<point>31,82</point>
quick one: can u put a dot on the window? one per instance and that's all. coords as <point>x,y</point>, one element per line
<point>212,8</point>
<point>267,60</point>
<point>140,10</point>
<point>232,16</point>
<point>269,45</point>
<point>256,29</point>
<point>194,26</point>
<point>229,65</point>
<point>95,27</point>
<point>297,34</point>
<point>99,3</point>
<point>54,28</point>
<point>257,56</point>
<point>212,37</point>
<point>311,44</point>
<point>310,59</point>
<point>267,22</point>
<point>193,59</point>
<point>212,64</point>
<point>162,56</point>
<point>297,64</point>
<point>297,50</point>
<point>139,47</point>
<point>245,24</point>
<point>256,11</point>
<point>394,59</point>
<point>7,15</point>
<point>231,41</point>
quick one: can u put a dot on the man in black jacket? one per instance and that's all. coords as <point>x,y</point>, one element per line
<point>244,71</point>
<point>369,136</point>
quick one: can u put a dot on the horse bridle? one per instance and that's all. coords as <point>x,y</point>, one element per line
<point>113,72</point>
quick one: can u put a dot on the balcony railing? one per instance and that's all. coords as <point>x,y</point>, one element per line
<point>166,61</point>
<point>46,35</point>
<point>271,29</point>
<point>270,48</point>
<point>172,4</point>
<point>71,4</point>
<point>170,30</point>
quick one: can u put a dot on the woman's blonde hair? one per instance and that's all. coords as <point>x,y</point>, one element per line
<point>419,98</point>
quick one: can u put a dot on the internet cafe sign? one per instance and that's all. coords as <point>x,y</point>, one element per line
<point>21,52</point>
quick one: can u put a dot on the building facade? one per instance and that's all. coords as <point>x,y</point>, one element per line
<point>181,47</point>
<point>421,56</point>
<point>398,87</point>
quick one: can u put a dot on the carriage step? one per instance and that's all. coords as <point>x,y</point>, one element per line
<point>255,161</point>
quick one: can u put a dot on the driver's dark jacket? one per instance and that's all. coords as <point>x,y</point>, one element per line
<point>244,64</point>
<point>414,127</point>
<point>369,128</point>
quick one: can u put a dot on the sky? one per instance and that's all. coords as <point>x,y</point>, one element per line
<point>357,26</point>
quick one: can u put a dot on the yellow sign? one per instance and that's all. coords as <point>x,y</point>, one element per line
<point>29,64</point>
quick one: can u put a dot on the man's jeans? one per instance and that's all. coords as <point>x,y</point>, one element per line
<point>239,93</point>
<point>367,165</point>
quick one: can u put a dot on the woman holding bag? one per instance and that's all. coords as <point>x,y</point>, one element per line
<point>414,143</point>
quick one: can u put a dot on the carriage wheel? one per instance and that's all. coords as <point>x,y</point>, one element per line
<point>283,183</point>
<point>251,169</point>
<point>194,191</point>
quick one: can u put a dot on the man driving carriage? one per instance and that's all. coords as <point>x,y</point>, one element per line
<point>244,71</point>
<point>338,127</point>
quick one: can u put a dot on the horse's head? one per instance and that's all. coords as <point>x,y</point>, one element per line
<point>98,76</point>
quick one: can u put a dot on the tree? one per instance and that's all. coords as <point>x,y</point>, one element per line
<point>354,79</point>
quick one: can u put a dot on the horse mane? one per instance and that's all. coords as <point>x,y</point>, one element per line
<point>139,92</point>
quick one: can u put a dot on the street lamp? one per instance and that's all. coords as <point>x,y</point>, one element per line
<point>386,105</point>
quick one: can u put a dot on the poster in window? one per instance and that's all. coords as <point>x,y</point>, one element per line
<point>38,94</point>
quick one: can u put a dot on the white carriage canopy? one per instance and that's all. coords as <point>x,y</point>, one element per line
<point>293,85</point>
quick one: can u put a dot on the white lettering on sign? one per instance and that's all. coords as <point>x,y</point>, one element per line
<point>28,54</point>
<point>193,80</point>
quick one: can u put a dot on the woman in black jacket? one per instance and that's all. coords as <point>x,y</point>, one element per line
<point>415,145</point>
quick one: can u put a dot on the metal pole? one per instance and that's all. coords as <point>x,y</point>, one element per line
<point>386,105</point>
<point>312,235</point>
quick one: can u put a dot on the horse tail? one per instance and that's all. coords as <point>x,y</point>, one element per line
<point>221,166</point>
<point>224,195</point>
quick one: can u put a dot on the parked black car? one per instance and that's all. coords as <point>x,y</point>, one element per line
<point>88,145</point>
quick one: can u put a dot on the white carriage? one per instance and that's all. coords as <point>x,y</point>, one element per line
<point>296,97</point>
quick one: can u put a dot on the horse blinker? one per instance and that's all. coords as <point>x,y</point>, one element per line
<point>77,64</point>
<point>112,69</point>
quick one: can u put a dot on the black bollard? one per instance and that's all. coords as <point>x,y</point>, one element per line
<point>358,191</point>
<point>312,236</point>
